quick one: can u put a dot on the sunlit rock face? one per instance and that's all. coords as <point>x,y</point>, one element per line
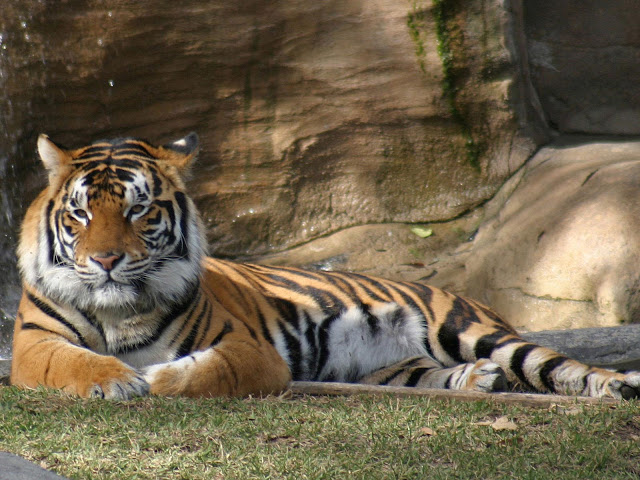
<point>562,250</point>
<point>313,116</point>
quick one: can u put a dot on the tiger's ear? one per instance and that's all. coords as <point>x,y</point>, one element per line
<point>55,159</point>
<point>181,153</point>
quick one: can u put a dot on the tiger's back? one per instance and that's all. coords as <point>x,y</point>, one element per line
<point>119,300</point>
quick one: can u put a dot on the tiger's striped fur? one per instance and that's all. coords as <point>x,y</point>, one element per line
<point>120,300</point>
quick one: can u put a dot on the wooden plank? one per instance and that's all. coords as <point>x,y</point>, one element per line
<point>525,399</point>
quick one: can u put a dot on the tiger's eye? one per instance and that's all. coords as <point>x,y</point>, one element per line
<point>136,209</point>
<point>81,214</point>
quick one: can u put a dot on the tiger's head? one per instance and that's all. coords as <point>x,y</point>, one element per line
<point>114,230</point>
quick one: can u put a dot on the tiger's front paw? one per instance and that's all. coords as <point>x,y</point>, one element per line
<point>113,380</point>
<point>120,389</point>
<point>172,378</point>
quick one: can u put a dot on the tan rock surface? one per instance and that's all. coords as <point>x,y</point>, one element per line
<point>563,251</point>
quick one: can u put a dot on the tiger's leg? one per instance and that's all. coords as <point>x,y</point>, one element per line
<point>473,332</point>
<point>45,353</point>
<point>542,369</point>
<point>482,376</point>
<point>236,366</point>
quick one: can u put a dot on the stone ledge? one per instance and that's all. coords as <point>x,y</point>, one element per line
<point>612,347</point>
<point>14,467</point>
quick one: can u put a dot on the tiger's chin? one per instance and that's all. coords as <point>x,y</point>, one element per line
<point>116,296</point>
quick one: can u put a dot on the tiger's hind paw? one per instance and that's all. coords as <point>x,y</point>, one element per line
<point>627,388</point>
<point>486,376</point>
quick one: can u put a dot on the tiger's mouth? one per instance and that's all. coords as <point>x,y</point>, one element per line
<point>112,285</point>
<point>111,294</point>
<point>115,280</point>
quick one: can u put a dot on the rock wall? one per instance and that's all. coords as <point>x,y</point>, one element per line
<point>314,117</point>
<point>330,129</point>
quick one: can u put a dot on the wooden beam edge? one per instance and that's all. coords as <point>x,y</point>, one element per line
<point>507,398</point>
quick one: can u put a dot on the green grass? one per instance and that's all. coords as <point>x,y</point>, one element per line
<point>297,437</point>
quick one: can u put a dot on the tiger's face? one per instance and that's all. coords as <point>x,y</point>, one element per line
<point>115,229</point>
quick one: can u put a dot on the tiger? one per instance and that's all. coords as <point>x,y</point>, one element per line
<point>120,300</point>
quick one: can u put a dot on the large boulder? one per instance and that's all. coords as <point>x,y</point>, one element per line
<point>561,248</point>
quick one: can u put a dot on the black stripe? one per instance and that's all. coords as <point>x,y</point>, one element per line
<point>294,352</point>
<point>185,323</point>
<point>380,286</point>
<point>517,362</point>
<point>401,369</point>
<point>50,237</point>
<point>459,318</point>
<point>372,320</point>
<point>157,181</point>
<point>415,376</point>
<point>132,144</point>
<point>182,249</point>
<point>128,163</point>
<point>177,310</point>
<point>547,368</point>
<point>95,150</point>
<point>425,294</point>
<point>35,326</point>
<point>227,328</point>
<point>153,221</point>
<point>207,318</point>
<point>129,151</point>
<point>489,342</point>
<point>278,280</point>
<point>312,343</point>
<point>187,344</point>
<point>323,343</point>
<point>94,323</point>
<point>461,315</point>
<point>287,311</point>
<point>342,284</point>
<point>167,206</point>
<point>450,342</point>
<point>397,317</point>
<point>328,302</point>
<point>263,324</point>
<point>363,280</point>
<point>124,175</point>
<point>50,312</point>
<point>291,271</point>
<point>447,384</point>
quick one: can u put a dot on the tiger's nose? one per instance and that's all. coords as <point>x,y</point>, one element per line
<point>107,262</point>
